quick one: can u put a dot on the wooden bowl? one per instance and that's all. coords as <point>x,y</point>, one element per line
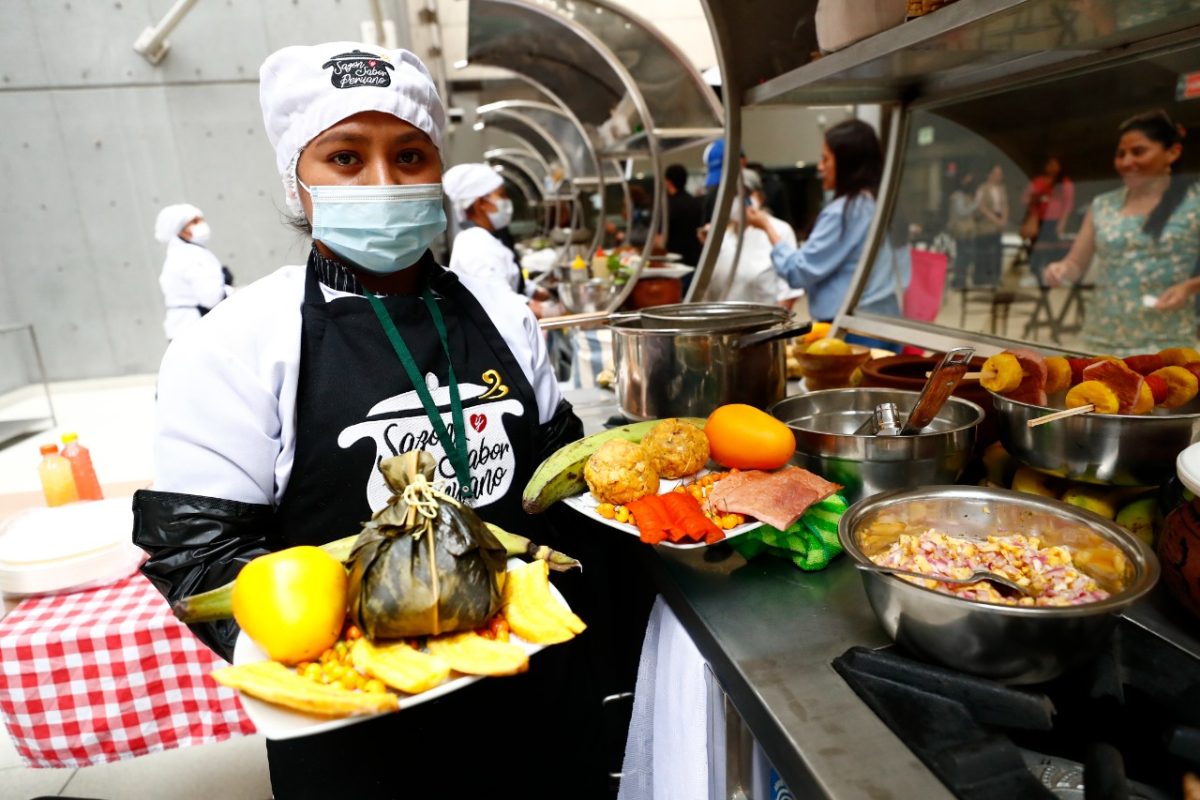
<point>832,371</point>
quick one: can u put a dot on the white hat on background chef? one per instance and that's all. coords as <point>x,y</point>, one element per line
<point>466,183</point>
<point>304,90</point>
<point>173,219</point>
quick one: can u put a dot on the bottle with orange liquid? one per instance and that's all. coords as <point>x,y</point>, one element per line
<point>57,482</point>
<point>82,471</point>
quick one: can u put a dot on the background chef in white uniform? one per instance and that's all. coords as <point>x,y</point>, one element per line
<point>484,211</point>
<point>192,278</point>
<point>755,279</point>
<point>274,410</point>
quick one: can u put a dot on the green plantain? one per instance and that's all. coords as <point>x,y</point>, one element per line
<point>561,474</point>
<point>218,603</point>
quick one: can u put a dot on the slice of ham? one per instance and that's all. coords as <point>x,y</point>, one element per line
<point>1032,388</point>
<point>776,498</point>
<point>1116,375</point>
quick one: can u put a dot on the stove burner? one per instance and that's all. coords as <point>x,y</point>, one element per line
<point>1136,707</point>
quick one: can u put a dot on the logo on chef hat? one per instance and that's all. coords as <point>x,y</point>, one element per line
<point>357,68</point>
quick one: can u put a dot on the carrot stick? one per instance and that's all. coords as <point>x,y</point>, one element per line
<point>652,519</point>
<point>686,513</point>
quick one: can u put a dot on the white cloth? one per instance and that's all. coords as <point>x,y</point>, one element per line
<point>666,751</point>
<point>755,280</point>
<point>591,354</point>
<point>483,258</point>
<point>173,219</point>
<point>305,89</point>
<point>226,417</point>
<point>466,183</point>
<point>191,276</point>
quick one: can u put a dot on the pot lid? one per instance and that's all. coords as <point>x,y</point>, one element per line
<point>1187,465</point>
<point>727,317</point>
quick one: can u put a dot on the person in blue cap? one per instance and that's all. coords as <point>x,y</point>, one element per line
<point>714,154</point>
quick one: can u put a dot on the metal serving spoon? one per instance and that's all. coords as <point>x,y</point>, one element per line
<point>999,581</point>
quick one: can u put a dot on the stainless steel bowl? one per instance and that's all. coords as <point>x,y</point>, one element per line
<point>583,297</point>
<point>1119,449</point>
<point>824,423</point>
<point>1014,644</point>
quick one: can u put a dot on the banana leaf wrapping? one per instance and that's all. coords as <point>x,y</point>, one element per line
<point>424,564</point>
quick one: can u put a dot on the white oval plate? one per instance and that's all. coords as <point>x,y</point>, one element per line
<point>277,722</point>
<point>586,504</point>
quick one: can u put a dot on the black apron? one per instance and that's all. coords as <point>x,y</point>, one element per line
<point>355,405</point>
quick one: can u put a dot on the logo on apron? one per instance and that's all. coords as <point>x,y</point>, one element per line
<point>399,425</point>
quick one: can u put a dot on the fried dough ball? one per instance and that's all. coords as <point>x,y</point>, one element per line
<point>620,472</point>
<point>676,448</point>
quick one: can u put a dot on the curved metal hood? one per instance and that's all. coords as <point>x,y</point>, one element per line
<point>581,163</point>
<point>587,53</point>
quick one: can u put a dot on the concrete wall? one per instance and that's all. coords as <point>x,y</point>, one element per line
<point>94,140</point>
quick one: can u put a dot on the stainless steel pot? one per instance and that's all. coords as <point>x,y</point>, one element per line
<point>688,358</point>
<point>1099,448</point>
<point>824,424</point>
<point>1014,644</point>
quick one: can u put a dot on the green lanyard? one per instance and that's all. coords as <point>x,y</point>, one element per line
<point>456,446</point>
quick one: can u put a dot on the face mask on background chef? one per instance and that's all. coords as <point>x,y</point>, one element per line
<point>381,223</point>
<point>501,211</point>
<point>198,232</point>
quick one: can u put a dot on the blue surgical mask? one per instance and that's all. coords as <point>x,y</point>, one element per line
<point>500,218</point>
<point>382,229</point>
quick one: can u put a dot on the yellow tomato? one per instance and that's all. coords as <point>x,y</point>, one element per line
<point>741,436</point>
<point>292,603</point>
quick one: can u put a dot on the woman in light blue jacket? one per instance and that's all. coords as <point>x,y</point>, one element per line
<point>850,167</point>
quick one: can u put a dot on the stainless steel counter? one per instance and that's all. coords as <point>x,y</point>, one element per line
<point>769,632</point>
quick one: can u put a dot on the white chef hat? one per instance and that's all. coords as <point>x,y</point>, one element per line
<point>173,219</point>
<point>304,90</point>
<point>466,183</point>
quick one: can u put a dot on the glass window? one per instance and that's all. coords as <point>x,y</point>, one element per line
<point>996,190</point>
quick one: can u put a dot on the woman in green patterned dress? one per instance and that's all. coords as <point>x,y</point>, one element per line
<point>1145,239</point>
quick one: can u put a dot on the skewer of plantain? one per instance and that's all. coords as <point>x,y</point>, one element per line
<point>217,603</point>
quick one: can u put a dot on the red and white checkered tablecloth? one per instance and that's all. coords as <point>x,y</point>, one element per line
<point>107,674</point>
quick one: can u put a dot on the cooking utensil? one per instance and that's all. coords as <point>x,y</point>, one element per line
<point>824,424</point>
<point>999,581</point>
<point>687,359</point>
<point>1014,644</point>
<point>1086,408</point>
<point>884,422</point>
<point>1121,449</point>
<point>941,383</point>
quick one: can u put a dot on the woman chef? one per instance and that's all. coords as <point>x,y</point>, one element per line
<point>274,411</point>
<point>484,211</point>
<point>192,278</point>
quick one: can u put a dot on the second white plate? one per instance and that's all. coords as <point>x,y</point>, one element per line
<point>586,504</point>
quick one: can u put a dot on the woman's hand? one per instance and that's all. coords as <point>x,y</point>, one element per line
<point>1177,296</point>
<point>757,218</point>
<point>1058,273</point>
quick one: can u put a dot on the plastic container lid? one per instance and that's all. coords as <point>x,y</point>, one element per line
<point>48,449</point>
<point>1187,466</point>
<point>578,263</point>
<point>67,438</point>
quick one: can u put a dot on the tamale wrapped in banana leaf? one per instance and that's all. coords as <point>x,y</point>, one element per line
<point>425,563</point>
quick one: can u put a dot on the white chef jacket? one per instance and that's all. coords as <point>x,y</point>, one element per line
<point>479,255</point>
<point>191,276</point>
<point>755,280</point>
<point>226,413</point>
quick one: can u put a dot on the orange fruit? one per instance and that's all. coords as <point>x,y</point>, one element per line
<point>744,437</point>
